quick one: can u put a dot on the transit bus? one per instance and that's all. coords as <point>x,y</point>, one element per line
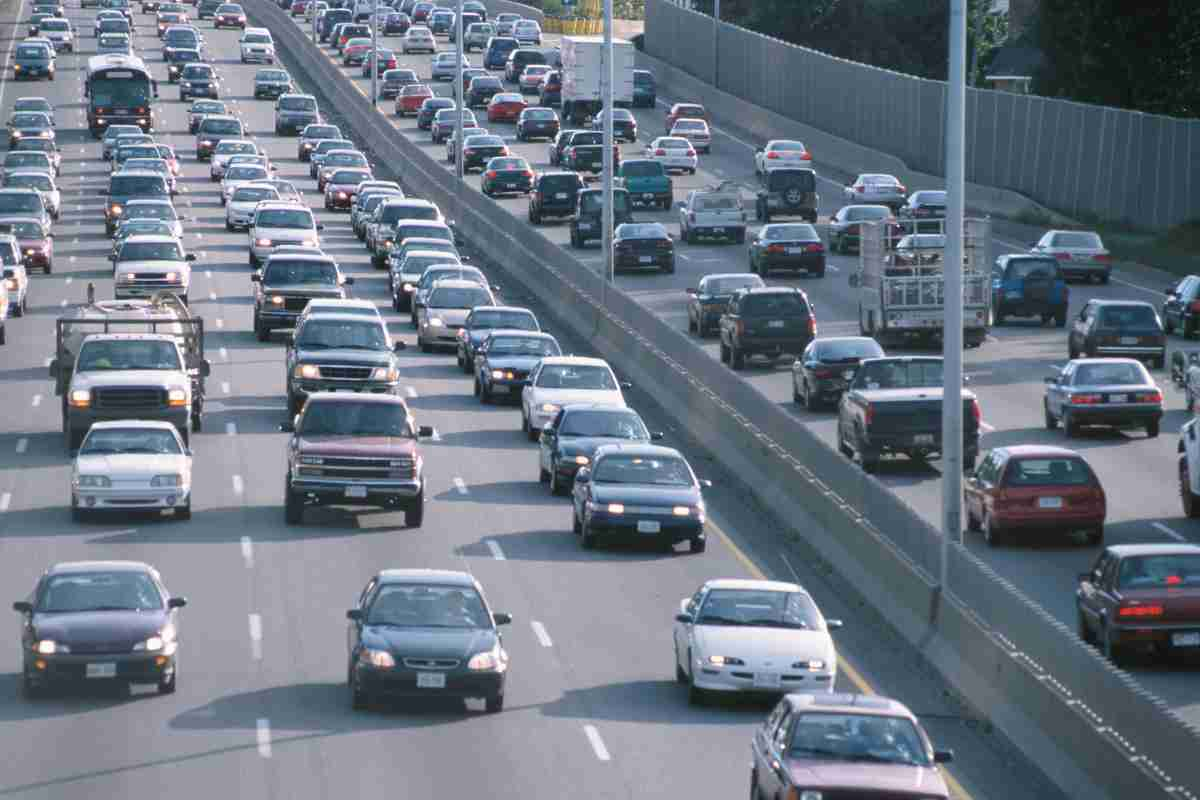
<point>119,91</point>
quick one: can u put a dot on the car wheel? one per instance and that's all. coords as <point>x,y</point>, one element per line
<point>697,545</point>
<point>261,332</point>
<point>696,695</point>
<point>1070,426</point>
<point>494,704</point>
<point>737,359</point>
<point>358,699</point>
<point>811,402</point>
<point>1081,627</point>
<point>1051,422</point>
<point>29,689</point>
<point>991,534</point>
<point>1112,651</point>
<point>556,486</point>
<point>167,685</point>
<point>1152,429</point>
<point>1095,536</point>
<point>724,353</point>
<point>414,515</point>
<point>587,539</point>
<point>293,505</point>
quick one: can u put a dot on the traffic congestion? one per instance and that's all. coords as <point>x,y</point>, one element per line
<point>269,348</point>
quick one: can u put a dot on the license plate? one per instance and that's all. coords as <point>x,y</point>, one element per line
<point>775,323</point>
<point>510,186</point>
<point>648,196</point>
<point>1049,502</point>
<point>794,251</point>
<point>1185,639</point>
<point>560,195</point>
<point>357,492</point>
<point>1118,398</point>
<point>431,680</point>
<point>766,680</point>
<point>923,438</point>
<point>107,669</point>
<point>848,374</point>
<point>1129,340</point>
<point>648,526</point>
<point>646,260</point>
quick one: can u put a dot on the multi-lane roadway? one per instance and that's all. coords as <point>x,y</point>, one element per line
<point>1006,372</point>
<point>261,708</point>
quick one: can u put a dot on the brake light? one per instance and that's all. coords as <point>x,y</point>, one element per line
<point>660,152</point>
<point>824,373</point>
<point>1085,399</point>
<point>868,414</point>
<point>776,248</point>
<point>491,173</point>
<point>902,189</point>
<point>1194,305</point>
<point>860,189</point>
<point>806,156</point>
<point>1140,611</point>
<point>815,248</point>
<point>691,152</point>
<point>812,326</point>
<point>527,173</point>
<point>1063,256</point>
<point>976,412</point>
<point>1105,257</point>
<point>1149,397</point>
<point>1174,580</point>
<point>772,155</point>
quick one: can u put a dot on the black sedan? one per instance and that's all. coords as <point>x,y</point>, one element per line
<point>485,319</point>
<point>624,125</point>
<point>429,109</point>
<point>927,204</point>
<point>792,246</point>
<point>707,302</point>
<point>94,622</point>
<point>178,59</point>
<point>505,358</point>
<point>479,149</point>
<point>425,633</point>
<point>569,442</point>
<point>393,80</point>
<point>824,370</point>
<point>396,23</point>
<point>480,92</point>
<point>637,245</point>
<point>505,175</point>
<point>537,123</point>
<point>639,492</point>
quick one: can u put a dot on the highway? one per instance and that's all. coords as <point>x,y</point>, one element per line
<point>262,709</point>
<point>1006,372</point>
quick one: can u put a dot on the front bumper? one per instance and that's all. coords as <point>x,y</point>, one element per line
<point>626,527</point>
<point>361,492</point>
<point>133,291</point>
<point>401,681</point>
<point>270,319</point>
<point>134,499</point>
<point>742,679</point>
<point>126,667</point>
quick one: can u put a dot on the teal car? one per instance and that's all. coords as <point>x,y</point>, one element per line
<point>647,182</point>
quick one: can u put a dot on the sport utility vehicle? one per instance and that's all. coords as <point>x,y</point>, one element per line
<point>1181,308</point>
<point>588,216</point>
<point>126,186</point>
<point>286,285</point>
<point>1029,286</point>
<point>518,60</point>
<point>498,48</point>
<point>212,129</point>
<point>340,353</point>
<point>787,192</point>
<point>554,195</point>
<point>293,112</point>
<point>771,321</point>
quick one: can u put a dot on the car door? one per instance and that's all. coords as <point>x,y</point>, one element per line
<point>354,626</point>
<point>760,745</point>
<point>773,777</point>
<point>682,632</point>
<point>1057,392</point>
<point>1087,593</point>
<point>1174,304</point>
<point>1079,329</point>
<point>527,389</point>
<point>973,487</point>
<point>548,442</point>
<point>290,359</point>
<point>581,491</point>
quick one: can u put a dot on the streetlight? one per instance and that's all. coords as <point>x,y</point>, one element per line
<point>459,92</point>
<point>374,60</point>
<point>606,108</point>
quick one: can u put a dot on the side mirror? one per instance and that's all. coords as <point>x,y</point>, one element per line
<point>398,346</point>
<point>656,436</point>
<point>355,614</point>
<point>943,756</point>
<point>1050,379</point>
<point>425,431</point>
<point>320,226</point>
<point>626,385</point>
<point>287,427</point>
<point>190,257</point>
<point>23,607</point>
<point>112,257</point>
<point>853,280</point>
<point>177,602</point>
<point>205,368</point>
<point>54,368</point>
<point>583,475</point>
<point>256,277</point>
<point>706,483</point>
<point>834,624</point>
<point>502,618</point>
<point>686,619</point>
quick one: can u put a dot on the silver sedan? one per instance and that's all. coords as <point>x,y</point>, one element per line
<point>1080,254</point>
<point>1110,392</point>
<point>876,189</point>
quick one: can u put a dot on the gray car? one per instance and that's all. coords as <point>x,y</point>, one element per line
<point>1112,392</point>
<point>877,189</point>
<point>477,36</point>
<point>295,112</point>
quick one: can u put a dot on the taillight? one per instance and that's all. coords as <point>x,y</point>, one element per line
<point>976,412</point>
<point>491,173</point>
<point>772,155</point>
<point>1085,399</point>
<point>815,248</point>
<point>1128,612</point>
<point>812,326</point>
<point>868,415</point>
<point>806,156</point>
<point>776,248</point>
<point>860,189</point>
<point>902,189</point>
<point>1149,397</point>
<point>1103,257</point>
<point>824,373</point>
<point>660,152</point>
<point>527,173</point>
<point>1063,256</point>
<point>1194,305</point>
<point>691,152</point>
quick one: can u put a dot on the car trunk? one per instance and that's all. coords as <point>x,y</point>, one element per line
<point>1179,604</point>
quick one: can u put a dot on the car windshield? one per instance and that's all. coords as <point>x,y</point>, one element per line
<point>254,194</point>
<point>514,320</point>
<point>284,218</point>
<point>263,38</point>
<point>23,230</point>
<point>320,132</point>
<point>727,286</point>
<point>355,419</point>
<point>423,231</point>
<point>900,374</point>
<point>931,198</point>
<point>99,591</point>
<point>508,164</point>
<point>22,159</point>
<point>672,144</point>
<point>150,251</point>
<point>1159,571</point>
<point>1083,241</point>
<point>523,346</point>
<point>1120,374</point>
<point>641,230</point>
<point>1128,317</point>
<point>847,350</point>
<point>611,424</point>
<point>291,272</point>
<point>428,606</point>
<point>661,471</point>
<point>321,334</point>
<point>228,148</point>
<point>349,177</point>
<point>56,25</point>
<point>127,354</point>
<point>133,227</point>
<point>576,376</point>
<point>208,107</point>
<point>1064,471</point>
<point>760,607</point>
<point>184,56</point>
<point>197,72</point>
<point>30,119</point>
<point>32,104</point>
<point>345,159</point>
<point>33,51</point>
<point>803,233</point>
<point>245,173</point>
<point>272,76</point>
<point>459,297</point>
<point>221,126</point>
<point>137,151</point>
<point>9,256</point>
<point>21,203</point>
<point>30,181</point>
<point>431,276</point>
<point>113,441</point>
<point>858,737</point>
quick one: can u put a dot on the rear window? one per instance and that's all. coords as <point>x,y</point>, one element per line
<point>867,214</point>
<point>846,349</point>
<point>1128,317</point>
<point>1119,374</point>
<point>1032,268</point>
<point>900,374</point>
<point>128,185</point>
<point>298,104</point>
<point>1077,239</point>
<point>560,183</point>
<point>770,305</point>
<point>1047,472</point>
<point>804,180</point>
<point>642,169</point>
<point>221,126</point>
<point>794,233</point>
<point>717,204</point>
<point>1159,571</point>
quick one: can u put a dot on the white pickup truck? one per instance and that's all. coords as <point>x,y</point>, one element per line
<point>716,212</point>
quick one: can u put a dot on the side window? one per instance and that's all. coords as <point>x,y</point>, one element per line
<point>998,469</point>
<point>772,721</point>
<point>696,601</point>
<point>1108,575</point>
<point>1188,288</point>
<point>366,593</point>
<point>780,737</point>
<point>984,469</point>
<point>1181,291</point>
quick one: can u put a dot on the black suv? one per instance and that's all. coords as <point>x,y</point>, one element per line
<point>1026,285</point>
<point>482,90</point>
<point>333,17</point>
<point>788,192</point>
<point>554,195</point>
<point>771,321</point>
<point>177,60</point>
<point>287,283</point>
<point>126,186</point>
<point>587,218</point>
<point>332,352</point>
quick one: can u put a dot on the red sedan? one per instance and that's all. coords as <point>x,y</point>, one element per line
<point>505,107</point>
<point>355,53</point>
<point>299,8</point>
<point>1034,489</point>
<point>684,111</point>
<point>410,99</point>
<point>34,242</point>
<point>167,153</point>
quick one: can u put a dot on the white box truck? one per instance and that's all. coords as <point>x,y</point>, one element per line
<point>582,64</point>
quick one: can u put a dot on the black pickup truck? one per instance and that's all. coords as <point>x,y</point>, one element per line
<point>585,153</point>
<point>894,406</point>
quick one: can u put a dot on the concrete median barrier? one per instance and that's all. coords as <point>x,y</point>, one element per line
<point>1090,727</point>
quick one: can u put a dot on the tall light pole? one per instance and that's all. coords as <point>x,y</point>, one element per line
<point>460,93</point>
<point>606,101</point>
<point>375,53</point>
<point>313,3</point>
<point>952,404</point>
<point>716,53</point>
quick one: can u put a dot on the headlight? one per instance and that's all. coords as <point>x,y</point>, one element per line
<point>95,481</point>
<point>435,323</point>
<point>316,460</point>
<point>12,282</point>
<point>725,661</point>
<point>263,242</point>
<point>815,665</point>
<point>380,659</point>
<point>206,143</point>
<point>389,374</point>
<point>310,371</point>
<point>309,243</point>
<point>582,461</point>
<point>166,480</point>
<point>48,647</point>
<point>494,660</point>
<point>276,300</point>
<point>81,398</point>
<point>187,85</point>
<point>550,408</point>
<point>615,508</point>
<point>172,277</point>
<point>681,511</point>
<point>341,195</point>
<point>115,209</point>
<point>498,374</point>
<point>151,645</point>
<point>17,134</point>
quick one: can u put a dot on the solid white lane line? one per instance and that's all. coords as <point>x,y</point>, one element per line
<point>248,552</point>
<point>225,388</point>
<point>22,445</point>
<point>539,630</point>
<point>213,295</point>
<point>460,486</point>
<point>37,400</point>
<point>231,427</point>
<point>264,737</point>
<point>224,354</point>
<point>238,486</point>
<point>256,636</point>
<point>494,546</point>
<point>437,437</point>
<point>597,743</point>
<point>71,280</point>
<point>208,272</point>
<point>408,389</point>
<point>63,303</point>
<point>5,501</point>
<point>1164,529</point>
<point>49,360</point>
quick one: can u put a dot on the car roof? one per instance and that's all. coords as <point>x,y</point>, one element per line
<point>1120,303</point>
<point>150,424</point>
<point>750,583</point>
<point>426,576</point>
<point>456,283</point>
<point>576,360</point>
<point>520,332</point>
<point>316,257</point>
<point>340,302</point>
<point>638,449</point>
<point>280,204</point>
<point>334,315</point>
<point>520,309</point>
<point>70,567</point>
<point>121,337</point>
<point>1038,450</point>
<point>1154,549</point>
<point>845,703</point>
<point>1106,361</point>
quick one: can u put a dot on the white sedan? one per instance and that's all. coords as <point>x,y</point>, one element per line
<point>132,465</point>
<point>673,152</point>
<point>781,153</point>
<point>418,38</point>
<point>736,635</point>
<point>226,149</point>
<point>562,380</point>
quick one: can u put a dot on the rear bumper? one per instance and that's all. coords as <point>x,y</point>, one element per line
<point>1117,417</point>
<point>1048,521</point>
<point>752,345</point>
<point>1028,308</point>
<point>813,262</point>
<point>1132,352</point>
<point>303,388</point>
<point>277,319</point>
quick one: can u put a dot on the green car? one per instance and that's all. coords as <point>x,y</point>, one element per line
<point>647,182</point>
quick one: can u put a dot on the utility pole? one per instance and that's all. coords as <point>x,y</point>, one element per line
<point>606,100</point>
<point>952,404</point>
<point>375,53</point>
<point>459,92</point>
<point>716,45</point>
<point>313,4</point>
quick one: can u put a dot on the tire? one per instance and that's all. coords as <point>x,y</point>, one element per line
<point>184,514</point>
<point>1095,536</point>
<point>724,353</point>
<point>681,677</point>
<point>972,522</point>
<point>1070,427</point>
<point>810,402</point>
<point>1169,328</point>
<point>1112,651</point>
<point>415,515</point>
<point>1082,629</point>
<point>697,546</point>
<point>696,696</point>
<point>1152,429</point>
<point>168,686</point>
<point>586,539</point>
<point>358,700</point>
<point>737,359</point>
<point>261,332</point>
<point>494,704</point>
<point>556,487</point>
<point>1060,319</point>
<point>991,534</point>
<point>1051,421</point>
<point>293,505</point>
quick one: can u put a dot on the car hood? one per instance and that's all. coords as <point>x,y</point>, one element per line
<point>129,377</point>
<point>586,445</point>
<point>378,446</point>
<point>562,397</point>
<point>152,266</point>
<point>430,642</point>
<point>131,465</point>
<point>645,494</point>
<point>374,358</point>
<point>830,774</point>
<point>285,234</point>
<point>119,629</point>
<point>450,316</point>
<point>779,645</point>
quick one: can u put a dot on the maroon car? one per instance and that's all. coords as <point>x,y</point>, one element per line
<point>845,745</point>
<point>1142,597</point>
<point>35,241</point>
<point>342,186</point>
<point>355,449</point>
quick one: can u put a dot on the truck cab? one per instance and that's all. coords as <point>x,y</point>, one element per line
<point>715,212</point>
